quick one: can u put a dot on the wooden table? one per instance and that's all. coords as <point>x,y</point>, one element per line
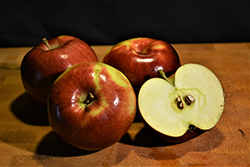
<point>26,138</point>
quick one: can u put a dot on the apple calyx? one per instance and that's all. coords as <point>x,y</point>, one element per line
<point>45,41</point>
<point>191,128</point>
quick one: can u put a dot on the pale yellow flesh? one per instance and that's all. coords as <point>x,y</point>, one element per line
<point>157,101</point>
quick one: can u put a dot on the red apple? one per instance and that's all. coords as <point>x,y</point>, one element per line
<point>91,105</point>
<point>141,58</point>
<point>44,63</point>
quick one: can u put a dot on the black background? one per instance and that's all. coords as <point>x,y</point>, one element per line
<point>102,22</point>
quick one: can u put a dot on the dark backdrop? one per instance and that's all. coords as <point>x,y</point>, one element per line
<point>102,22</point>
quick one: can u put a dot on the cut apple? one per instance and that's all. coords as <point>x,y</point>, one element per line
<point>194,98</point>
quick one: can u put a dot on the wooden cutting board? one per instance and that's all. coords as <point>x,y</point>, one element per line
<point>26,138</point>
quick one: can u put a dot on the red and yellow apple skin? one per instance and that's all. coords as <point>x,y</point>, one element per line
<point>141,58</point>
<point>104,119</point>
<point>42,65</point>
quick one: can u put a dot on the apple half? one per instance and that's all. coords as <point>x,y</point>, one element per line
<point>182,107</point>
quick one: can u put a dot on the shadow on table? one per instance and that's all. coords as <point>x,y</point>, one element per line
<point>28,111</point>
<point>161,149</point>
<point>54,151</point>
<point>145,138</point>
<point>53,145</point>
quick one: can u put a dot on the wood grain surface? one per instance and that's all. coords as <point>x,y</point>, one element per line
<point>26,138</point>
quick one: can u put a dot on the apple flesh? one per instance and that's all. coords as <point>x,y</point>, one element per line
<point>44,63</point>
<point>141,58</point>
<point>184,107</point>
<point>91,105</point>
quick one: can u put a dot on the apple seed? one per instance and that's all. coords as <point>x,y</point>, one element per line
<point>178,99</point>
<point>189,99</point>
<point>180,105</point>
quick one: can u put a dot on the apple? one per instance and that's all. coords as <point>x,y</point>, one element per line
<point>91,105</point>
<point>44,63</point>
<point>141,58</point>
<point>183,107</point>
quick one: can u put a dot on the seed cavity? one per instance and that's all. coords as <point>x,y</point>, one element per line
<point>180,104</point>
<point>189,99</point>
<point>178,99</point>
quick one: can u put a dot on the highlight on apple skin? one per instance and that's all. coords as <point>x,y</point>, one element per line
<point>44,63</point>
<point>141,58</point>
<point>183,107</point>
<point>91,105</point>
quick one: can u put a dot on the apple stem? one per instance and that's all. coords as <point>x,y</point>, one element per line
<point>162,73</point>
<point>89,99</point>
<point>46,43</point>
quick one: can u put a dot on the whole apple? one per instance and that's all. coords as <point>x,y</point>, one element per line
<point>91,105</point>
<point>44,63</point>
<point>141,58</point>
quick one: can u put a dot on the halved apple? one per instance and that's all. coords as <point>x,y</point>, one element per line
<point>182,107</point>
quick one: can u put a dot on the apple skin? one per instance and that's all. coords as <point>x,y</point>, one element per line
<point>105,120</point>
<point>141,58</point>
<point>41,66</point>
<point>190,134</point>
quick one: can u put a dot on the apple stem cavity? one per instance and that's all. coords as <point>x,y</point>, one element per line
<point>45,41</point>
<point>162,73</point>
<point>89,99</point>
<point>188,98</point>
